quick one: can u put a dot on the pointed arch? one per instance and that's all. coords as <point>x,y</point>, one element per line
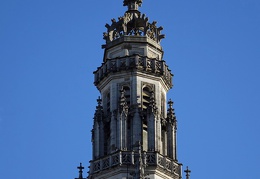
<point>146,95</point>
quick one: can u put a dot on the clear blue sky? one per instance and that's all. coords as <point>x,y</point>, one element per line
<point>49,49</point>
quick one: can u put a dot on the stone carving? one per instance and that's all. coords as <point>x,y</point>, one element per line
<point>99,114</point>
<point>134,63</point>
<point>151,159</point>
<point>122,102</point>
<point>115,159</point>
<point>171,114</point>
<point>106,163</point>
<point>138,2</point>
<point>152,104</point>
<point>133,158</point>
<point>126,158</point>
<point>133,24</point>
<point>97,166</point>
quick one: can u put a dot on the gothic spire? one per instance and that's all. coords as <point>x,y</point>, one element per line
<point>133,4</point>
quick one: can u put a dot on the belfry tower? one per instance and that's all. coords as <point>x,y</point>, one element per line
<point>134,134</point>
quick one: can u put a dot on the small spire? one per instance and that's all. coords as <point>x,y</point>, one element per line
<point>133,4</point>
<point>80,172</point>
<point>99,100</point>
<point>170,103</point>
<point>187,171</point>
<point>171,114</point>
<point>99,106</point>
<point>99,110</point>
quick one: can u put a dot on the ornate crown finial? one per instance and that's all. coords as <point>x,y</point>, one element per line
<point>133,23</point>
<point>133,4</point>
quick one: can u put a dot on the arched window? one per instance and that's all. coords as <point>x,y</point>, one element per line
<point>146,96</point>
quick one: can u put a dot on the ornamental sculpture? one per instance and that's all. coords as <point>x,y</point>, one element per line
<point>133,23</point>
<point>127,2</point>
<point>133,4</point>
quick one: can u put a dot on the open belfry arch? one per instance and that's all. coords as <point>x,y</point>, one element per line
<point>134,127</point>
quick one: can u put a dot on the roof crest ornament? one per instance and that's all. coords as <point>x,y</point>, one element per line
<point>133,23</point>
<point>80,172</point>
<point>133,4</point>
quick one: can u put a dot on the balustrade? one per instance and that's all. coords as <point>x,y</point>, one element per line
<point>134,63</point>
<point>129,158</point>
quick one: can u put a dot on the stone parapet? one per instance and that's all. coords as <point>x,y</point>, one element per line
<point>151,66</point>
<point>129,158</point>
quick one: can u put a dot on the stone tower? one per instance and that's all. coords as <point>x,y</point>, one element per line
<point>134,135</point>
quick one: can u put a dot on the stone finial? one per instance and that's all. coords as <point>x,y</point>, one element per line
<point>133,4</point>
<point>80,172</point>
<point>187,171</point>
<point>99,106</point>
<point>99,110</point>
<point>99,101</point>
<point>171,114</point>
<point>170,103</point>
<point>133,23</point>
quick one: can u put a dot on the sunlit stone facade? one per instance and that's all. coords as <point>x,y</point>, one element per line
<point>134,127</point>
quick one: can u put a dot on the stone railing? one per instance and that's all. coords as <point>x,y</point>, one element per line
<point>129,158</point>
<point>167,164</point>
<point>147,65</point>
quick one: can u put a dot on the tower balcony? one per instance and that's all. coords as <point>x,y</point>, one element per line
<point>134,63</point>
<point>129,159</point>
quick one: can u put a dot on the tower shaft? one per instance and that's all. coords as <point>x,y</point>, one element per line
<point>134,135</point>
